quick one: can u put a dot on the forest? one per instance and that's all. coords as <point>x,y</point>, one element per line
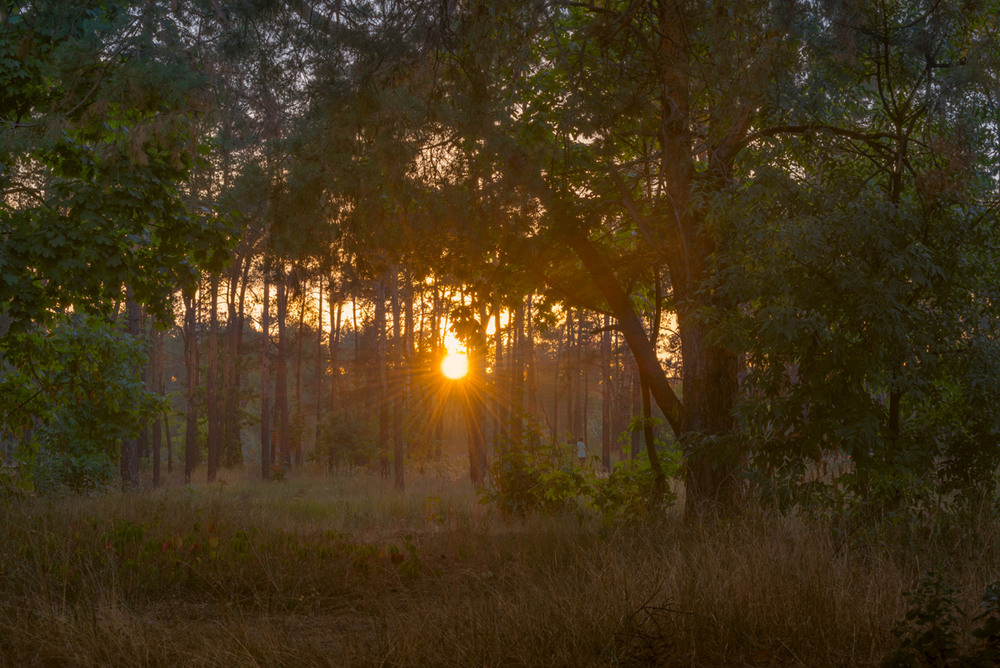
<point>500,332</point>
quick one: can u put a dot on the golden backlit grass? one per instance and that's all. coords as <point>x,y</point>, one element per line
<point>342,570</point>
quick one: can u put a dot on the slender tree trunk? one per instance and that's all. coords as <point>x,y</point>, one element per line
<point>517,376</point>
<point>228,354</point>
<point>191,362</point>
<point>265,382</point>
<point>582,355</point>
<point>606,381</point>
<point>636,390</point>
<point>335,379</point>
<point>500,405</point>
<point>572,372</point>
<point>659,479</point>
<point>156,359</point>
<point>234,450</point>
<point>336,306</point>
<point>214,443</point>
<point>380,370</point>
<point>397,389</point>
<point>298,419</point>
<point>474,406</point>
<point>130,447</point>
<point>281,378</point>
<point>556,384</point>
<point>529,359</point>
<point>166,412</point>
<point>142,441</point>
<point>320,364</point>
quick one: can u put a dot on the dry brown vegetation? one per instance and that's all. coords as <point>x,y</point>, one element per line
<point>343,571</point>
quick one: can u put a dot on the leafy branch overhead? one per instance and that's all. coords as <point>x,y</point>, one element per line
<point>97,133</point>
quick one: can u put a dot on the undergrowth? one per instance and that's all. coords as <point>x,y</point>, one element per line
<point>342,570</point>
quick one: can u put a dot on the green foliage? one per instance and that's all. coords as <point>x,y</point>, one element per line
<point>864,293</point>
<point>76,389</point>
<point>931,632</point>
<point>346,440</point>
<point>97,111</point>
<point>551,480</point>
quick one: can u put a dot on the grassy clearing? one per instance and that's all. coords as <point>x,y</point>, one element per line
<point>344,571</point>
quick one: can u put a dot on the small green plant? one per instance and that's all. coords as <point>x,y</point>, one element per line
<point>931,632</point>
<point>987,631</point>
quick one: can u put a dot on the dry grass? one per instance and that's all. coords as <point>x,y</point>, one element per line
<point>344,571</point>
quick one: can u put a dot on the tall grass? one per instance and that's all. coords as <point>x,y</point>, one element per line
<point>343,570</point>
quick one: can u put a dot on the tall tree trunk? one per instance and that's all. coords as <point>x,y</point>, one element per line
<point>606,380</point>
<point>337,307</point>
<point>214,442</point>
<point>635,389</point>
<point>572,372</point>
<point>281,376</point>
<point>500,404</point>
<point>335,379</point>
<point>582,356</point>
<point>380,370</point>
<point>659,478</point>
<point>530,373</point>
<point>397,390</point>
<point>234,452</point>
<point>709,390</point>
<point>191,362</point>
<point>156,360</point>
<point>130,447</point>
<point>299,414</point>
<point>265,381</point>
<point>320,364</point>
<point>142,441</point>
<point>474,406</point>
<point>556,384</point>
<point>516,364</point>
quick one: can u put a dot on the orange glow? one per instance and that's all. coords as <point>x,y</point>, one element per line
<point>455,365</point>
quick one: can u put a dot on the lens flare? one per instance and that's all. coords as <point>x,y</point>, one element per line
<point>455,365</point>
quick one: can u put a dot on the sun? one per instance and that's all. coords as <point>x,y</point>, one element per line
<point>455,365</point>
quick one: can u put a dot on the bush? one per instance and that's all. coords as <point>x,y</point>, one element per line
<point>551,481</point>
<point>931,632</point>
<point>75,388</point>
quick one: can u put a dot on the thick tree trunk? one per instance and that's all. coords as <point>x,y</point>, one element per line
<point>710,387</point>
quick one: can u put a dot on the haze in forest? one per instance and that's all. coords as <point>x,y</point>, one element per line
<point>481,332</point>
